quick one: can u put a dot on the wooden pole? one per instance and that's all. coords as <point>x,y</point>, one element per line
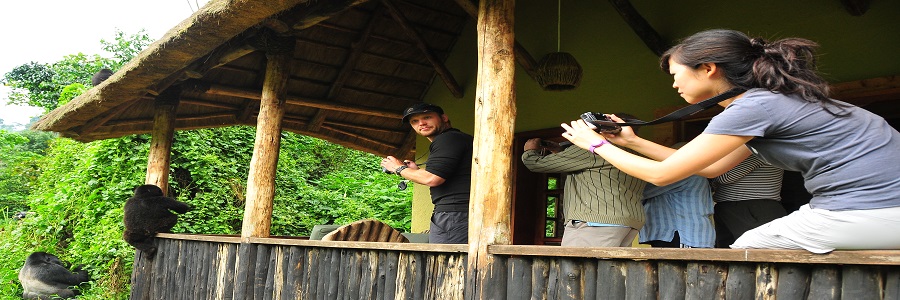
<point>261,180</point>
<point>159,159</point>
<point>495,115</point>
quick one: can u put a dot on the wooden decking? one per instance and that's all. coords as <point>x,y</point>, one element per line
<point>220,267</point>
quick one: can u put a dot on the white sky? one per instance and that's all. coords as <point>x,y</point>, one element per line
<point>47,30</point>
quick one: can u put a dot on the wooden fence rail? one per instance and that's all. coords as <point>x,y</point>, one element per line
<point>206,267</point>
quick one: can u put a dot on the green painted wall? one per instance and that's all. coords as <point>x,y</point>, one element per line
<point>622,75</point>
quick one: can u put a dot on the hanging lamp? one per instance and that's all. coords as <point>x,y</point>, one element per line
<point>558,71</point>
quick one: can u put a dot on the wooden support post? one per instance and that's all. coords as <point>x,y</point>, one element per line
<point>495,115</point>
<point>163,132</point>
<point>261,180</point>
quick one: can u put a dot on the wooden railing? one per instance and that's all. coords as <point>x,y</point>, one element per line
<point>204,267</point>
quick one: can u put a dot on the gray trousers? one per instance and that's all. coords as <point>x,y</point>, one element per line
<point>449,227</point>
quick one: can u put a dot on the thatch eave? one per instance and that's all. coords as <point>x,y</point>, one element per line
<point>196,36</point>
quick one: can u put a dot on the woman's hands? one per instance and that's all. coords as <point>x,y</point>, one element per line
<point>583,135</point>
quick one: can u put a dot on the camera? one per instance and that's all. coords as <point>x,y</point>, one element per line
<point>385,170</point>
<point>602,122</point>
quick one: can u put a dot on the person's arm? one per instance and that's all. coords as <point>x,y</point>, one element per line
<point>569,160</point>
<point>739,171</point>
<point>412,172</point>
<point>708,155</point>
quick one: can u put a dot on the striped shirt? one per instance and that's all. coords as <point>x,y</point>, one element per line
<point>593,190</point>
<point>752,179</point>
<point>685,206</point>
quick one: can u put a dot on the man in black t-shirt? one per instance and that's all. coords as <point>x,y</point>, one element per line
<point>448,172</point>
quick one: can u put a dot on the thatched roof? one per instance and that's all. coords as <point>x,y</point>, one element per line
<point>356,65</point>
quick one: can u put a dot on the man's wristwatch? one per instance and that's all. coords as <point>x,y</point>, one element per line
<point>400,169</point>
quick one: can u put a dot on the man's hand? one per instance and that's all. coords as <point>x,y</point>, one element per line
<point>533,144</point>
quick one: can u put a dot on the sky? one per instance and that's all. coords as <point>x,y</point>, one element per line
<point>45,31</point>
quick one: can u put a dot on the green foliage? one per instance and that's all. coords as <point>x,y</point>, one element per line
<point>77,199</point>
<point>45,85</point>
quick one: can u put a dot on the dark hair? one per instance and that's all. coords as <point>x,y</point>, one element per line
<point>786,66</point>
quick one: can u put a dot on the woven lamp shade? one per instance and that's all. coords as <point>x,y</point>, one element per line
<point>559,71</point>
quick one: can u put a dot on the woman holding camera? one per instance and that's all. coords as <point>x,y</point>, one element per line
<point>846,154</point>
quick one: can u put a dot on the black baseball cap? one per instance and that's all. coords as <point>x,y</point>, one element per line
<point>419,108</point>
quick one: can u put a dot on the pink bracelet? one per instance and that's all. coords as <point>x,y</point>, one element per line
<point>597,144</point>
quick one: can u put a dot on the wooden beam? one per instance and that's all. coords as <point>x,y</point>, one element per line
<point>348,66</point>
<point>263,164</point>
<point>161,137</point>
<point>495,118</point>
<point>640,26</point>
<point>438,65</point>
<point>301,101</point>
<point>302,17</point>
<point>525,60</point>
<point>356,52</point>
<point>97,122</point>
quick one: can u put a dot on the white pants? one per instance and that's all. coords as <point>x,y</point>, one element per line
<point>821,231</point>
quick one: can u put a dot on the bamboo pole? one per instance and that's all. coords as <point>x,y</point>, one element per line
<point>159,159</point>
<point>495,114</point>
<point>261,180</point>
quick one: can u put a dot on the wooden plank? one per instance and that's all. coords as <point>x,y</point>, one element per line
<point>293,272</point>
<point>540,274</point>
<point>892,284</point>
<point>611,275</point>
<point>671,280</point>
<point>203,263</point>
<point>390,271</point>
<point>741,282</point>
<point>141,272</point>
<point>640,280</point>
<point>337,272</point>
<point>705,280</point>
<point>859,257</point>
<point>553,280</point>
<point>311,274</point>
<point>793,282</point>
<point>571,279</point>
<point>766,278</point>
<point>518,282</point>
<point>589,272</point>
<point>368,274</point>
<point>244,266</point>
<point>861,282</point>
<point>265,265</point>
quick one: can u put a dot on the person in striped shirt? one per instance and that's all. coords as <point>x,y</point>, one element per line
<point>601,204</point>
<point>746,196</point>
<point>679,215</point>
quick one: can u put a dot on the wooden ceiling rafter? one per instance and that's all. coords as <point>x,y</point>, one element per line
<point>409,143</point>
<point>100,121</point>
<point>301,17</point>
<point>191,117</point>
<point>356,49</point>
<point>255,95</point>
<point>640,26</point>
<point>366,128</point>
<point>438,65</point>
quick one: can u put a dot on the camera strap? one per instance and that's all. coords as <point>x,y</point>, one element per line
<point>684,111</point>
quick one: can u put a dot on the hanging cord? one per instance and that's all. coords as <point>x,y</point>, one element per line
<point>558,22</point>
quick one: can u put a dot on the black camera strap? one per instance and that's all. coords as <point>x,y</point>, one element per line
<point>684,111</point>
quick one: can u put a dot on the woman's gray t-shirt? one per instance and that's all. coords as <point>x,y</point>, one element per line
<point>849,162</point>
